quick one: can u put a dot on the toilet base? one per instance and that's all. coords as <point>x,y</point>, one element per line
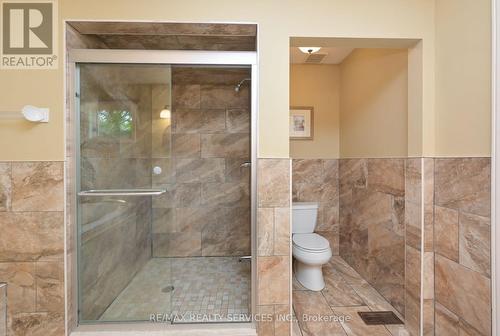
<point>309,276</point>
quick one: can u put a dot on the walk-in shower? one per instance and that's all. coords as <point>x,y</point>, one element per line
<point>164,190</point>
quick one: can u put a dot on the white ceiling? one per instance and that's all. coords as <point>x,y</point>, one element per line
<point>335,55</point>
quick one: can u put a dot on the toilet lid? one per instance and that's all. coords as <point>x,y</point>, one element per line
<point>310,241</point>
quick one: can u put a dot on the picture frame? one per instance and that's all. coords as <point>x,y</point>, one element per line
<point>301,123</point>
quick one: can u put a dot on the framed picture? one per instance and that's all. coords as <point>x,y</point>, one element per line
<point>301,122</point>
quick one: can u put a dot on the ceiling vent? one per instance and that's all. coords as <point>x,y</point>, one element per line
<point>315,58</point>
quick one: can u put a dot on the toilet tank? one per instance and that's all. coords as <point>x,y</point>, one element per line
<point>304,217</point>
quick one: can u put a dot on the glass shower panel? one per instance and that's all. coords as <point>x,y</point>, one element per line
<point>124,166</point>
<point>207,234</point>
<point>164,203</point>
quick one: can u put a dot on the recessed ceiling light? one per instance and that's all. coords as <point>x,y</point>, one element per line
<point>309,50</point>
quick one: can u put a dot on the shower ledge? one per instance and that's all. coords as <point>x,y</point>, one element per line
<point>142,329</point>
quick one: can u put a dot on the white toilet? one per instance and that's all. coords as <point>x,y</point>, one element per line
<point>310,249</point>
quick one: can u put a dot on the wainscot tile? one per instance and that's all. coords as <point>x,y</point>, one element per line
<point>387,175</point>
<point>37,324</point>
<point>31,236</point>
<point>446,321</point>
<point>463,184</point>
<point>282,232</point>
<point>475,243</point>
<point>273,183</point>
<point>469,298</point>
<point>37,186</point>
<point>273,284</point>
<point>5,186</point>
<point>49,286</point>
<point>446,232</point>
<point>20,279</point>
<point>265,231</point>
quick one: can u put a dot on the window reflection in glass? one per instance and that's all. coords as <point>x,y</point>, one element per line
<point>115,123</point>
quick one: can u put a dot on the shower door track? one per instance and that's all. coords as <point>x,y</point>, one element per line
<point>179,58</point>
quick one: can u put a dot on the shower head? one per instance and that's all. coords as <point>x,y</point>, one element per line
<point>238,86</point>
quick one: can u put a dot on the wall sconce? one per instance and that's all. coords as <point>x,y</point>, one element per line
<point>165,113</point>
<point>30,113</point>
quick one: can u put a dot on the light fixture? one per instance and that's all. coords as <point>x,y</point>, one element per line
<point>309,50</point>
<point>35,114</point>
<point>28,112</point>
<point>165,113</point>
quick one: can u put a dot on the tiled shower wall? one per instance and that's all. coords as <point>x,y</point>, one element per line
<point>372,234</point>
<point>32,246</point>
<point>317,180</point>
<point>206,210</point>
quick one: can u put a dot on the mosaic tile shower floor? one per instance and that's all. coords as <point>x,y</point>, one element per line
<point>204,287</point>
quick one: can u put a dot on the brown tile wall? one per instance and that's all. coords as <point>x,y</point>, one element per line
<point>462,246</point>
<point>206,210</point>
<point>317,180</point>
<point>413,235</point>
<point>451,246</point>
<point>372,235</point>
<point>168,36</point>
<point>428,255</point>
<point>273,240</point>
<point>32,245</point>
<point>3,309</point>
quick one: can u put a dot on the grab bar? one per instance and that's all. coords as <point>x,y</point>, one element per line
<point>122,192</point>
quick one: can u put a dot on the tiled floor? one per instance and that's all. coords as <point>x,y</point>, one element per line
<point>210,289</point>
<point>344,295</point>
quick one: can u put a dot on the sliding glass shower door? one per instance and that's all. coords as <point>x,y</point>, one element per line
<point>164,202</point>
<point>124,164</point>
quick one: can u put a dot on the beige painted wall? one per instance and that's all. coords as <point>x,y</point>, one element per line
<point>277,22</point>
<point>317,86</point>
<point>374,104</point>
<point>463,71</point>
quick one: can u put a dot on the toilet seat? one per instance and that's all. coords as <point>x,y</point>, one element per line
<point>310,242</point>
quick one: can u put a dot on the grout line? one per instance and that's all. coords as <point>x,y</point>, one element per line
<point>351,285</point>
<point>365,304</point>
<point>395,310</point>
<point>458,263</point>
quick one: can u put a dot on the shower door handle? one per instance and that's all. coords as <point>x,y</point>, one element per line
<point>122,192</point>
<point>246,164</point>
